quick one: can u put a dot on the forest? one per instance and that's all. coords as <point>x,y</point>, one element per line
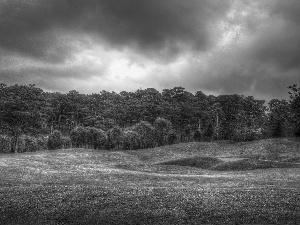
<point>31,119</point>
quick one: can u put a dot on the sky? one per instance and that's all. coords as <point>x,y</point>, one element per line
<point>245,47</point>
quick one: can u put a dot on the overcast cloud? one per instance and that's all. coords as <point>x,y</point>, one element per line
<point>216,46</point>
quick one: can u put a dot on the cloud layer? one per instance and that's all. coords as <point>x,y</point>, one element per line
<point>218,46</point>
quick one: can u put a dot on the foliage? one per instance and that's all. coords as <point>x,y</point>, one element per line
<point>27,143</point>
<point>5,144</point>
<point>147,134</point>
<point>79,137</point>
<point>163,128</point>
<point>131,140</point>
<point>279,118</point>
<point>208,132</point>
<point>176,115</point>
<point>95,138</point>
<point>295,106</point>
<point>55,140</point>
<point>245,134</point>
<point>172,137</point>
<point>114,138</point>
<point>42,142</point>
<point>198,135</point>
<point>67,143</point>
<point>21,111</point>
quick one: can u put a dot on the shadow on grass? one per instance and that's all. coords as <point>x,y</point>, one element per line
<point>243,164</point>
<point>199,162</point>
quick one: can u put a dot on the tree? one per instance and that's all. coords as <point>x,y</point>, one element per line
<point>79,137</point>
<point>131,140</point>
<point>21,111</point>
<point>279,118</point>
<point>55,140</point>
<point>96,138</point>
<point>146,132</point>
<point>163,128</point>
<point>114,137</point>
<point>295,106</point>
<point>178,108</point>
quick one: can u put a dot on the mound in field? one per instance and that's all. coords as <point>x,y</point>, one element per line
<point>212,163</point>
<point>199,162</point>
<point>252,164</point>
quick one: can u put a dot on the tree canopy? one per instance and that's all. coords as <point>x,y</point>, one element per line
<point>146,114</point>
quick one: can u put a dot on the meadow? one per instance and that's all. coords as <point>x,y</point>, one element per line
<point>162,185</point>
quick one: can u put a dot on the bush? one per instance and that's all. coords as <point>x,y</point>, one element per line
<point>114,138</point>
<point>208,132</point>
<point>5,144</point>
<point>66,142</point>
<point>147,134</point>
<point>79,137</point>
<point>55,140</point>
<point>198,135</point>
<point>21,145</point>
<point>101,139</point>
<point>131,140</point>
<point>172,137</point>
<point>30,144</point>
<point>95,138</point>
<point>163,130</point>
<point>244,134</point>
<point>42,143</point>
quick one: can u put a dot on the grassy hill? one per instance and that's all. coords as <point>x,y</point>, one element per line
<point>83,186</point>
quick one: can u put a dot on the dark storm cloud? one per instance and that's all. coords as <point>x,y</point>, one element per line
<point>278,41</point>
<point>263,62</point>
<point>51,41</point>
<point>35,28</point>
<point>47,76</point>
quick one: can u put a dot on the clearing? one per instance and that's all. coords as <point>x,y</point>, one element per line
<point>187,183</point>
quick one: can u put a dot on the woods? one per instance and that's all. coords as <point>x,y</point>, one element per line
<point>140,119</point>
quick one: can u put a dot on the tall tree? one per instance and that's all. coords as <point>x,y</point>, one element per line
<point>21,111</point>
<point>295,106</point>
<point>279,118</point>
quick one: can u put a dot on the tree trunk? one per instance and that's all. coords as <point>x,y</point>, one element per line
<point>217,127</point>
<point>14,146</point>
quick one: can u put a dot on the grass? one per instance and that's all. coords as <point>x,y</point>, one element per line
<point>252,164</point>
<point>199,162</point>
<point>82,186</point>
<point>236,164</point>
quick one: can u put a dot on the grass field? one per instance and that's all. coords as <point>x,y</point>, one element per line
<point>82,186</point>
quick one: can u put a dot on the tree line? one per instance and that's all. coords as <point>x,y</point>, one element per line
<point>141,119</point>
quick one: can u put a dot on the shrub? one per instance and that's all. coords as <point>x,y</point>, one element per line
<point>79,137</point>
<point>5,144</point>
<point>131,140</point>
<point>114,138</point>
<point>208,132</point>
<point>198,135</point>
<point>244,134</point>
<point>55,140</point>
<point>21,145</point>
<point>95,138</point>
<point>172,137</point>
<point>42,143</point>
<point>147,134</point>
<point>101,139</point>
<point>66,142</point>
<point>163,130</point>
<point>30,143</point>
